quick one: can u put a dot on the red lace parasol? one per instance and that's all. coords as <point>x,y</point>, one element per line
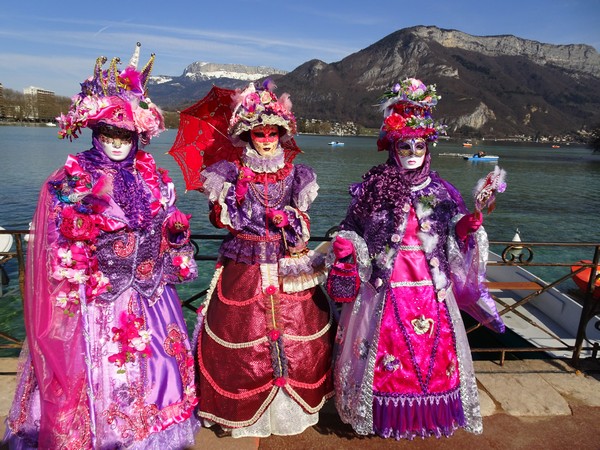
<point>202,136</point>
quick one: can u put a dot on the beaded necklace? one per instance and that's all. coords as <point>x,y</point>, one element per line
<point>267,199</point>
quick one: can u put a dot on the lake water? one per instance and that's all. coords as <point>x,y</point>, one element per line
<point>552,194</point>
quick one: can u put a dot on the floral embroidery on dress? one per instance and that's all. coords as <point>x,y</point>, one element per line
<point>136,426</point>
<point>144,269</point>
<point>124,249</point>
<point>174,346</point>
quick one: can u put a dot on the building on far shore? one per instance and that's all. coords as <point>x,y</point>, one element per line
<point>39,104</point>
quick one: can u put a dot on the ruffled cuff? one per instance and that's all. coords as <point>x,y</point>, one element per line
<point>303,272</point>
<point>299,225</point>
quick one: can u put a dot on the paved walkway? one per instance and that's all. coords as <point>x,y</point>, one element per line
<point>530,404</point>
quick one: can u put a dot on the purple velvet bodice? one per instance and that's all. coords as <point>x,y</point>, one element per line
<point>253,238</point>
<point>379,229</point>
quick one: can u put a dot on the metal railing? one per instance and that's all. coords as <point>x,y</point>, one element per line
<point>520,254</point>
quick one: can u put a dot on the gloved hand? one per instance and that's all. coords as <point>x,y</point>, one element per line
<point>278,218</point>
<point>244,178</point>
<point>468,224</point>
<point>178,222</point>
<point>342,247</point>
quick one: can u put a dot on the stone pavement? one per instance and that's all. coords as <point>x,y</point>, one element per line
<point>528,404</point>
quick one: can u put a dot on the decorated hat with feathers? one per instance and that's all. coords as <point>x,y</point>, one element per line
<point>256,106</point>
<point>407,109</point>
<point>114,97</point>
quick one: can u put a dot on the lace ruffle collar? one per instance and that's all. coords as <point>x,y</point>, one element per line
<point>262,164</point>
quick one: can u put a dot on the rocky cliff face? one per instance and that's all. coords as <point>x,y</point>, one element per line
<point>576,57</point>
<point>207,71</point>
<point>496,86</point>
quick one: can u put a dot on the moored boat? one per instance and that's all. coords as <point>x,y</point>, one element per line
<point>551,319</point>
<point>481,157</point>
<point>335,143</point>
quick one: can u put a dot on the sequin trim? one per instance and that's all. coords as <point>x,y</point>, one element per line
<point>305,405</point>
<point>233,345</point>
<point>256,238</point>
<point>395,284</point>
<point>229,423</point>
<point>411,248</point>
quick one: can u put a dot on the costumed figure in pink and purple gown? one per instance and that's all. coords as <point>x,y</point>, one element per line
<point>266,333</point>
<point>402,364</point>
<point>108,362</point>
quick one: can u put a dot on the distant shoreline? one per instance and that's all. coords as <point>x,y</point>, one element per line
<point>444,138</point>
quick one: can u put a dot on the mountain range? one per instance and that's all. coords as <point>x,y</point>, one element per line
<point>495,86</point>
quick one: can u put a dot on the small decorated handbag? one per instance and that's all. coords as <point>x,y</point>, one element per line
<point>343,281</point>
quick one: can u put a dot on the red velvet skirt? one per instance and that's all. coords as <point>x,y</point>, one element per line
<point>253,344</point>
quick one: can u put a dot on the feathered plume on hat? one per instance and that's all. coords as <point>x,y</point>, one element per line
<point>407,110</point>
<point>115,98</point>
<point>260,106</point>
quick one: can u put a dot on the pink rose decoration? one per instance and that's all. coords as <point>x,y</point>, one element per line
<point>271,290</point>
<point>274,335</point>
<point>77,227</point>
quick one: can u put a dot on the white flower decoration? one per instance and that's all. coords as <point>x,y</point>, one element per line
<point>61,299</point>
<point>66,257</point>
<point>442,295</point>
<point>145,335</point>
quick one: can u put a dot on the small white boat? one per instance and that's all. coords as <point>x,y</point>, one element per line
<point>335,143</point>
<point>456,155</point>
<point>50,124</point>
<point>6,242</point>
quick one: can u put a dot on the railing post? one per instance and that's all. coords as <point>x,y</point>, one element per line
<point>589,308</point>
<point>21,261</point>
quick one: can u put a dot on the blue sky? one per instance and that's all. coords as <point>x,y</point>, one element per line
<point>53,45</point>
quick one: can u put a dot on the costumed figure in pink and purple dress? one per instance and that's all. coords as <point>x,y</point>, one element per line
<point>402,364</point>
<point>107,363</point>
<point>266,333</point>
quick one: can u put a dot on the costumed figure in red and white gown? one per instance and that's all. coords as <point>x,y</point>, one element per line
<point>266,331</point>
<point>402,365</point>
<point>107,362</point>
